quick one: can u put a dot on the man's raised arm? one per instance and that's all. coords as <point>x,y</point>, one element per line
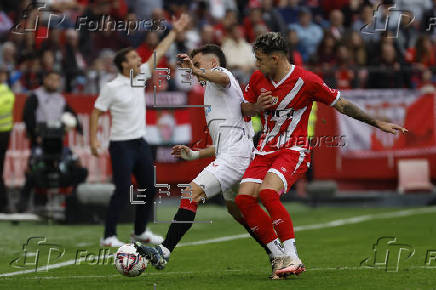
<point>351,110</point>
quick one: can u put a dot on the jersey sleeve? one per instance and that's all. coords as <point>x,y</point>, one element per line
<point>321,92</point>
<point>228,73</point>
<point>104,100</point>
<point>249,94</point>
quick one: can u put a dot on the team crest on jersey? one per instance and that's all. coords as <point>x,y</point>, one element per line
<point>275,100</point>
<point>263,90</point>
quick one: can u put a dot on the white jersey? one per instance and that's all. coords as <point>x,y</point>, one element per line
<point>230,134</point>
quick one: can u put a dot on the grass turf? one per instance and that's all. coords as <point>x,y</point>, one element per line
<point>332,255</point>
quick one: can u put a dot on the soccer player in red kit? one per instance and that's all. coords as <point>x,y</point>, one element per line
<point>281,158</point>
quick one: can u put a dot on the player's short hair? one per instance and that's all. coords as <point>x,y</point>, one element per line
<point>120,56</point>
<point>211,49</point>
<point>271,42</point>
<point>51,72</point>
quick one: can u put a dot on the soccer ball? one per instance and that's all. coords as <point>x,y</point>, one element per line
<point>128,262</point>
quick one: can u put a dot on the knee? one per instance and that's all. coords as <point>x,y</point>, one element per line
<point>244,201</point>
<point>193,194</point>
<point>268,195</point>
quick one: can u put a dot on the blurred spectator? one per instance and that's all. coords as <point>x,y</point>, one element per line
<point>357,49</point>
<point>272,18</point>
<point>351,12</point>
<point>344,76</point>
<point>144,8</point>
<point>7,56</point>
<point>416,7</point>
<point>388,73</point>
<point>101,71</point>
<point>44,105</point>
<point>218,8</point>
<point>7,100</point>
<point>251,21</point>
<point>336,24</point>
<point>326,52</point>
<point>294,56</point>
<point>364,24</point>
<point>74,63</point>
<point>239,54</point>
<point>427,85</point>
<point>289,10</point>
<point>5,23</point>
<point>207,35</point>
<point>309,34</point>
<point>423,56</point>
<point>223,27</point>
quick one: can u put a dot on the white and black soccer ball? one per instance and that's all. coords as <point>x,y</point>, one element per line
<point>128,262</point>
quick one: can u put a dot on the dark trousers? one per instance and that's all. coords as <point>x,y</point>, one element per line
<point>130,156</point>
<point>4,145</point>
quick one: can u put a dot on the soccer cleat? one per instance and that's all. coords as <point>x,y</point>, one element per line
<point>290,265</point>
<point>111,241</point>
<point>147,237</point>
<point>153,254</point>
<point>276,264</point>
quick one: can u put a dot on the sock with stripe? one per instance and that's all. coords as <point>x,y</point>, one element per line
<point>177,230</point>
<point>279,215</point>
<point>256,218</point>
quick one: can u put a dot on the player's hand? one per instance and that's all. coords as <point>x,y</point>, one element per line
<point>95,148</point>
<point>264,101</point>
<point>391,127</point>
<point>184,61</point>
<point>180,24</point>
<point>185,152</point>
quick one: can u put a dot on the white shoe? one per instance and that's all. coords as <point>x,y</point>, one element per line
<point>111,241</point>
<point>147,237</point>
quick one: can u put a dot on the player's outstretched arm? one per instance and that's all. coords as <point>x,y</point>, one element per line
<point>179,26</point>
<point>264,101</point>
<point>186,153</point>
<point>214,76</point>
<point>348,108</point>
<point>95,144</point>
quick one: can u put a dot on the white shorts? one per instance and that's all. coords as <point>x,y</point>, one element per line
<point>221,174</point>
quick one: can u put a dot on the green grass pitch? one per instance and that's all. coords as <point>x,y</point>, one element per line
<point>332,253</point>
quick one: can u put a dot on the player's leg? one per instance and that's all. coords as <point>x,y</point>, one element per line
<point>122,166</point>
<point>286,169</point>
<point>184,217</point>
<point>234,211</point>
<point>144,174</point>
<point>182,222</point>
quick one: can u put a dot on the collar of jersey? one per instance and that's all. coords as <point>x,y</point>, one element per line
<point>284,78</point>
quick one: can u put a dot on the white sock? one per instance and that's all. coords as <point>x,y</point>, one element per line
<point>276,248</point>
<point>165,251</point>
<point>290,248</point>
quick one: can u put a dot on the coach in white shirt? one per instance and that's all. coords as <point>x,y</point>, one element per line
<point>128,149</point>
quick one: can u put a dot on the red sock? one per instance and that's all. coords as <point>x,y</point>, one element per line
<point>279,215</point>
<point>188,204</point>
<point>256,218</point>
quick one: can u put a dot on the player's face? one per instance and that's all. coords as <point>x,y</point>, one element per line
<point>133,61</point>
<point>265,63</point>
<point>204,61</point>
<point>52,82</point>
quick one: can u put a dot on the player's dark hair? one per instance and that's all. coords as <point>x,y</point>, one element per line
<point>271,42</point>
<point>211,49</point>
<point>120,56</point>
<point>51,72</point>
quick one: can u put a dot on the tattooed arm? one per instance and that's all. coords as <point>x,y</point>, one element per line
<point>348,108</point>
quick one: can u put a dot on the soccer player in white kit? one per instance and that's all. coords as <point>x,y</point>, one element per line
<point>232,147</point>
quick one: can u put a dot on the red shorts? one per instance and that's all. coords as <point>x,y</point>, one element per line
<point>289,165</point>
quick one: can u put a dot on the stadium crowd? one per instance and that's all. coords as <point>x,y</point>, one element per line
<point>350,43</point>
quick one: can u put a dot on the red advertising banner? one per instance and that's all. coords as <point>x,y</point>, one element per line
<point>165,127</point>
<point>407,108</point>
